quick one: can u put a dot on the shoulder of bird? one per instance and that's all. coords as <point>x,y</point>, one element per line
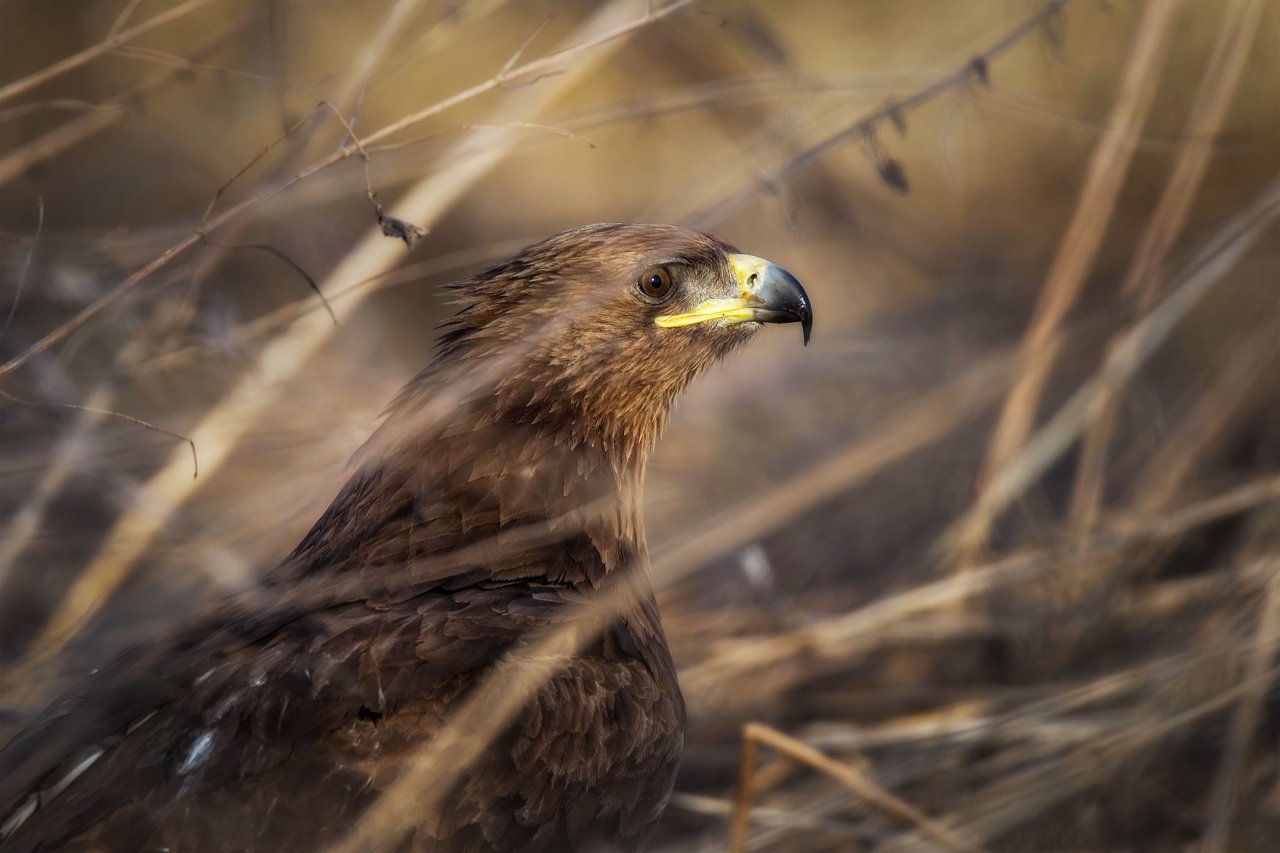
<point>500,496</point>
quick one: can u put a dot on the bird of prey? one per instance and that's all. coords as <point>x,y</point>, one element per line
<point>498,497</point>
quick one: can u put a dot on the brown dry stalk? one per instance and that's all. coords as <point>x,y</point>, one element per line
<point>1030,461</point>
<point>1075,256</point>
<point>1018,797</point>
<point>837,638</point>
<point>740,822</point>
<point>1142,280</point>
<point>1227,787</point>
<point>852,778</point>
<point>1249,366</point>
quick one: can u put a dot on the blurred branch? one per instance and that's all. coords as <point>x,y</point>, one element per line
<point>104,116</point>
<point>26,267</point>
<point>1076,253</point>
<point>894,113</point>
<point>108,44</point>
<point>123,18</point>
<point>501,80</point>
<point>94,410</point>
<point>63,461</point>
<point>358,80</point>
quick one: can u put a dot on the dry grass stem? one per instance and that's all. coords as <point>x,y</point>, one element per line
<point>1071,265</point>
<point>1027,463</point>
<point>856,781</point>
<point>1141,281</point>
<point>1227,788</point>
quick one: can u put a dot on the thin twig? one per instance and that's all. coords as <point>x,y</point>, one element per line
<point>297,267</point>
<point>111,413</point>
<point>391,226</point>
<point>267,149</point>
<point>891,113</point>
<point>26,266</point>
<point>122,18</point>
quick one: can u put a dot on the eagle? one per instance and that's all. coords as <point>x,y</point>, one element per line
<point>499,496</point>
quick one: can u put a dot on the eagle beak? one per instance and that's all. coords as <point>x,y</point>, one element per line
<point>766,294</point>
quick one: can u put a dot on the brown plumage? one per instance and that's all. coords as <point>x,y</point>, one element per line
<point>501,492</point>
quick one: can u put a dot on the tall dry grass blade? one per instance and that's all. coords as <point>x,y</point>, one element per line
<point>350,95</point>
<point>1141,282</point>
<point>1030,460</point>
<point>1249,367</point>
<point>1076,252</point>
<point>218,432</point>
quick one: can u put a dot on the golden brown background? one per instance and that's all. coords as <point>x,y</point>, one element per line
<point>1079,673</point>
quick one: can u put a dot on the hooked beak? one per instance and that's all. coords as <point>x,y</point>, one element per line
<point>766,294</point>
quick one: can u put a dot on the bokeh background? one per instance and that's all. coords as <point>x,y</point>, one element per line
<point>969,634</point>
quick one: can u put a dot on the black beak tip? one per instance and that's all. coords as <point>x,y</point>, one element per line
<point>785,301</point>
<point>797,302</point>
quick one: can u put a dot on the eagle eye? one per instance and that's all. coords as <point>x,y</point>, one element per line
<point>655,284</point>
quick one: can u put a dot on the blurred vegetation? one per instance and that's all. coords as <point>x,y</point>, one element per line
<point>1059,640</point>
